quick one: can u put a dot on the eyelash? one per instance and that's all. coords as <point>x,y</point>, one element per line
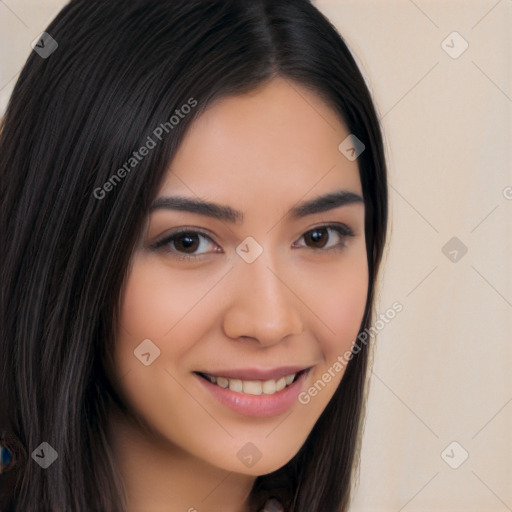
<point>341,229</point>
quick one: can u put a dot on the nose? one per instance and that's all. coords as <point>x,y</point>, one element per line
<point>263,305</point>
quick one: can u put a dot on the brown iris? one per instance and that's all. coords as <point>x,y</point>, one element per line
<point>319,237</point>
<point>186,242</point>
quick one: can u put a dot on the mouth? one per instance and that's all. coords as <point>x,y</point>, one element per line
<point>255,397</point>
<point>253,387</point>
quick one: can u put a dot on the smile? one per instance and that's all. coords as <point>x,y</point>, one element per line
<point>256,398</point>
<point>252,387</point>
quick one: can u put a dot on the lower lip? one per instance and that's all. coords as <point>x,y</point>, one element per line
<point>260,406</point>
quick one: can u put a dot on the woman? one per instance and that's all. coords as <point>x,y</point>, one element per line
<point>194,210</point>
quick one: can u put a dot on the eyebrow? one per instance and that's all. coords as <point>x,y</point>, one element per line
<point>226,213</point>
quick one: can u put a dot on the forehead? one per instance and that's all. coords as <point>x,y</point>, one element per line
<point>278,142</point>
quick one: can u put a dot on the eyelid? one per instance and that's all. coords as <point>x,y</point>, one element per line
<point>169,235</point>
<point>343,230</point>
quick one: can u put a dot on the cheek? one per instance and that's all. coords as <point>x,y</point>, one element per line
<point>149,308</point>
<point>169,309</point>
<point>151,302</point>
<point>156,304</point>
<point>340,301</point>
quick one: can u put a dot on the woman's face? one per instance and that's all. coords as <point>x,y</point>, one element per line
<point>268,283</point>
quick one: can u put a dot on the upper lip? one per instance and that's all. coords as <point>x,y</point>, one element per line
<point>256,373</point>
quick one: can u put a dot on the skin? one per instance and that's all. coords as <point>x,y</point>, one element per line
<point>260,153</point>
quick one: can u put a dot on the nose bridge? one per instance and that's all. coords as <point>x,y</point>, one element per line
<point>262,307</point>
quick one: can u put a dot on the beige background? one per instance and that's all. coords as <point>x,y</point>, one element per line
<point>442,371</point>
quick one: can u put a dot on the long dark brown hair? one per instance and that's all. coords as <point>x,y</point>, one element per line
<point>121,69</point>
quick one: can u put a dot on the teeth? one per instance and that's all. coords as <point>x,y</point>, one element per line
<point>281,384</point>
<point>222,382</point>
<point>235,385</point>
<point>269,387</point>
<point>252,387</point>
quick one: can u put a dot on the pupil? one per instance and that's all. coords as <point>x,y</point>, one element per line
<point>188,241</point>
<point>318,237</point>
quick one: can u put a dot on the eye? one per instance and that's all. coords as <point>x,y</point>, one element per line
<point>187,244</point>
<point>333,236</point>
